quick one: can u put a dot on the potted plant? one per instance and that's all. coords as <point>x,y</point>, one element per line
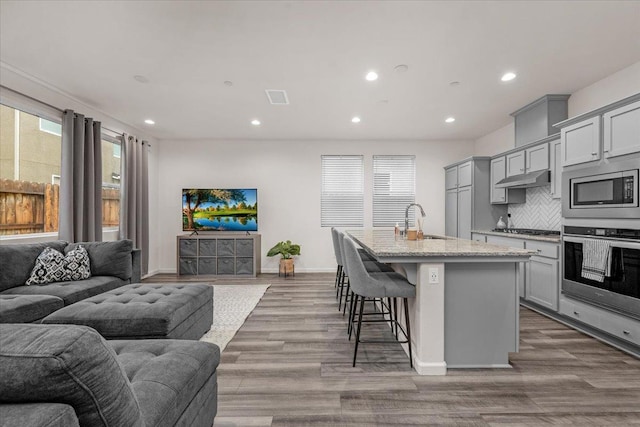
<point>286,250</point>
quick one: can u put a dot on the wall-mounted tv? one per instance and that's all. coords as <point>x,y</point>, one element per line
<point>219,209</point>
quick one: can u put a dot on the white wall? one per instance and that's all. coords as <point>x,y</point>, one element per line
<point>497,141</point>
<point>287,175</point>
<point>615,87</point>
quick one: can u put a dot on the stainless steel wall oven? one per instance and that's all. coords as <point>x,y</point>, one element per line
<point>620,290</point>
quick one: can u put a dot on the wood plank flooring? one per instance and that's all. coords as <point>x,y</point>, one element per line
<point>290,365</point>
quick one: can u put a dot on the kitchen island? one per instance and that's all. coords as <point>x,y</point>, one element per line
<point>466,310</point>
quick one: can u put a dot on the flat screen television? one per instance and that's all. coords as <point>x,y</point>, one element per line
<point>220,209</point>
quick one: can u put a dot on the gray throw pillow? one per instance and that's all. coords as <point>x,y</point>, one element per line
<point>108,258</point>
<point>53,266</point>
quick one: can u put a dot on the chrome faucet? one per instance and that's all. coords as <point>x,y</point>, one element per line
<point>406,216</point>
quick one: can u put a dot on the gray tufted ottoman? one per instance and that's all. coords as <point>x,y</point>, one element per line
<point>143,311</point>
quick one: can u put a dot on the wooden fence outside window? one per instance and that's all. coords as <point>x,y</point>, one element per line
<point>32,207</point>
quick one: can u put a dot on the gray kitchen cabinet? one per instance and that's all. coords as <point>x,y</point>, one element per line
<point>503,195</point>
<point>464,174</point>
<point>464,212</point>
<point>498,172</point>
<point>556,169</point>
<point>219,254</point>
<point>581,142</point>
<point>537,158</point>
<point>542,278</point>
<point>515,163</point>
<point>451,178</point>
<point>622,327</point>
<point>468,198</point>
<point>451,208</point>
<point>622,131</point>
<point>482,238</point>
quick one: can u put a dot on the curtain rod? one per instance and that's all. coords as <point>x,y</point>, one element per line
<point>53,107</point>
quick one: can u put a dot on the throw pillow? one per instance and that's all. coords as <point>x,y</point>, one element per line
<point>53,266</point>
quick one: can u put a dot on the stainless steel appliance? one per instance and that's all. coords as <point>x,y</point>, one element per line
<point>527,231</point>
<point>606,191</point>
<point>620,291</point>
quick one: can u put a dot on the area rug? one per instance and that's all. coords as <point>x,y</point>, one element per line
<point>232,304</point>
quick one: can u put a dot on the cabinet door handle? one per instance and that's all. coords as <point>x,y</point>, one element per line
<point>606,151</point>
<point>626,332</point>
<point>576,313</point>
<point>594,154</point>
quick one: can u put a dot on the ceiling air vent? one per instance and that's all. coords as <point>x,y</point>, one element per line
<point>277,97</point>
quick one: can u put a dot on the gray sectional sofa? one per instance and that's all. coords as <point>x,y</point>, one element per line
<point>113,264</point>
<point>69,375</point>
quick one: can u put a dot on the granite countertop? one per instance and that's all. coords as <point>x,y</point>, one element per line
<point>383,243</point>
<point>551,239</point>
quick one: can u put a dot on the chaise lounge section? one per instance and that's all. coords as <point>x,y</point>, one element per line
<point>73,376</point>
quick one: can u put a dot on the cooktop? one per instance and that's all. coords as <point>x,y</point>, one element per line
<point>529,231</point>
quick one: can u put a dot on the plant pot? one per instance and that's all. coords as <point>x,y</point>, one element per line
<point>286,266</point>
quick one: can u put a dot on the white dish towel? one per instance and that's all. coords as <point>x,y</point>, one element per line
<point>596,259</point>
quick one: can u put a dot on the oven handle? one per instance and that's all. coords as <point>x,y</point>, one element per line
<point>614,243</point>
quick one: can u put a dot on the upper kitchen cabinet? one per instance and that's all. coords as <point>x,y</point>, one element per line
<point>622,130</point>
<point>467,202</point>
<point>535,120</point>
<point>607,132</point>
<point>581,142</point>
<point>458,176</point>
<point>537,158</point>
<point>515,163</point>
<point>556,168</point>
<point>500,195</point>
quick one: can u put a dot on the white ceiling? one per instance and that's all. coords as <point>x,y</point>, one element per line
<point>319,53</point>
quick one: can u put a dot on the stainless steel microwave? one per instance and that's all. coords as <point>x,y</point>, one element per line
<point>605,191</point>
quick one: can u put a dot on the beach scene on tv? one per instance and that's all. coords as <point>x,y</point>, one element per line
<point>220,209</point>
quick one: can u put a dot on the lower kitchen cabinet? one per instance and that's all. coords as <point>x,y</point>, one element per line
<point>542,282</point>
<point>621,327</point>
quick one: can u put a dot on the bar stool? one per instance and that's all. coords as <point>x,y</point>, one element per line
<point>371,265</point>
<point>365,285</point>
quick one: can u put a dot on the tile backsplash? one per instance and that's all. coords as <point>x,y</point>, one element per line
<point>539,212</point>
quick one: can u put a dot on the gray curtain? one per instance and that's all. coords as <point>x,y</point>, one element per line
<point>80,217</point>
<point>134,196</point>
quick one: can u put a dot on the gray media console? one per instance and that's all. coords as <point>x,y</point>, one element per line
<point>228,254</point>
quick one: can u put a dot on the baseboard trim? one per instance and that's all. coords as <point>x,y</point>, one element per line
<point>431,368</point>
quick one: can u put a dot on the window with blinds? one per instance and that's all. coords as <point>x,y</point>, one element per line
<point>394,187</point>
<point>342,199</point>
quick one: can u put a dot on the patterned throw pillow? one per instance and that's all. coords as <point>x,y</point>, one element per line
<point>53,266</point>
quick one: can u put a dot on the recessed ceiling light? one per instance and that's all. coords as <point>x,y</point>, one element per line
<point>402,68</point>
<point>508,76</point>
<point>356,119</point>
<point>228,83</point>
<point>150,122</point>
<point>255,122</point>
<point>371,76</point>
<point>450,119</point>
<point>141,79</point>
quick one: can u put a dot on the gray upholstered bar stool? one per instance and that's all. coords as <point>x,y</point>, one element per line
<point>365,285</point>
<point>371,265</point>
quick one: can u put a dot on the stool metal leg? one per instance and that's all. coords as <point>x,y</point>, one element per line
<point>406,316</point>
<point>355,352</point>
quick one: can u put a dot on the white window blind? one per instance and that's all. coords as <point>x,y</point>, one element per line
<point>342,199</point>
<point>394,187</point>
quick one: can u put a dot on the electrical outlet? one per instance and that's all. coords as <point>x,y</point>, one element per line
<point>433,276</point>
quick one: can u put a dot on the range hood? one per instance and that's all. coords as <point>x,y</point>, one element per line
<point>526,180</point>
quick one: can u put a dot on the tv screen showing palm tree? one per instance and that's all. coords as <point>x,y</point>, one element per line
<point>217,209</point>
